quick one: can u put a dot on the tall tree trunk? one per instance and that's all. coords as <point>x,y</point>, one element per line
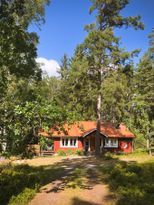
<point>148,146</point>
<point>97,138</point>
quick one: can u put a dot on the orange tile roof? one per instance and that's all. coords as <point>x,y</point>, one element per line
<point>82,128</point>
<point>75,129</point>
<point>110,130</point>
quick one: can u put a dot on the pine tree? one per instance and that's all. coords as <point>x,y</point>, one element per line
<point>101,46</point>
<point>144,97</point>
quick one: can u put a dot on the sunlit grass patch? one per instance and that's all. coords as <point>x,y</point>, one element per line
<point>77,179</point>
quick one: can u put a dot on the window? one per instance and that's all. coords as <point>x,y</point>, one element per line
<point>69,142</point>
<point>111,142</point>
<point>64,142</point>
<point>73,142</point>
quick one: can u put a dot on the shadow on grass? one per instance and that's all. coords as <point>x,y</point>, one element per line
<point>133,183</point>
<point>15,179</point>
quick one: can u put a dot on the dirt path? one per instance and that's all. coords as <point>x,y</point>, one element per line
<point>79,184</point>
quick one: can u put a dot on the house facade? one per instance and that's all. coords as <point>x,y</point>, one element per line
<point>82,135</point>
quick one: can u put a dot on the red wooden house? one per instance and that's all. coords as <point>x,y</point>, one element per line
<point>81,136</point>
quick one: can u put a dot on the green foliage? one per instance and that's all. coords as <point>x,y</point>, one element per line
<point>33,116</point>
<point>45,143</point>
<point>114,94</point>
<point>19,72</point>
<point>107,156</point>
<point>151,42</point>
<point>96,58</point>
<point>61,153</point>
<point>79,152</point>
<point>16,175</point>
<point>24,197</point>
<point>21,182</point>
<point>18,47</point>
<point>69,152</point>
<point>112,11</point>
<point>133,183</point>
<point>142,106</point>
<point>76,180</point>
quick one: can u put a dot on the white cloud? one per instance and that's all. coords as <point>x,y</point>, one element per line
<point>49,66</point>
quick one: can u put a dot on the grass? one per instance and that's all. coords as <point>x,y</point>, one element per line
<point>21,182</point>
<point>24,197</point>
<point>131,180</point>
<point>130,177</point>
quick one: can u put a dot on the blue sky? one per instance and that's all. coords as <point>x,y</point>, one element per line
<point>64,27</point>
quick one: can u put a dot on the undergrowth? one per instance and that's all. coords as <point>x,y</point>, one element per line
<point>133,183</point>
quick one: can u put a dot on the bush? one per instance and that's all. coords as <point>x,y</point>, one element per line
<point>61,153</point>
<point>132,182</point>
<point>108,155</point>
<point>70,152</point>
<point>14,179</point>
<point>6,154</point>
<point>18,183</point>
<point>24,197</point>
<point>79,152</point>
<point>132,195</point>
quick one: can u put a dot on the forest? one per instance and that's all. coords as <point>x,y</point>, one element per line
<point>99,82</point>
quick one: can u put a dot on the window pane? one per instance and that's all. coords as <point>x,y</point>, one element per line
<point>66,142</point>
<point>74,142</point>
<point>114,142</point>
<point>63,142</point>
<point>107,142</point>
<point>71,142</point>
<point>111,142</point>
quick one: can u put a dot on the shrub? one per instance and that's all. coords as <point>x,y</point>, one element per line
<point>14,179</point>
<point>24,197</point>
<point>79,152</point>
<point>132,182</point>
<point>131,195</point>
<point>6,154</point>
<point>108,156</point>
<point>70,152</point>
<point>61,153</point>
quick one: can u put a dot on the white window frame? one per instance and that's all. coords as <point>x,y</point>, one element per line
<point>69,144</point>
<point>111,142</point>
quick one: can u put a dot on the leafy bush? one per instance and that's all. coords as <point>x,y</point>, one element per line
<point>13,180</point>
<point>24,197</point>
<point>79,152</point>
<point>61,153</point>
<point>18,183</point>
<point>45,143</point>
<point>131,195</point>
<point>132,182</point>
<point>107,156</point>
<point>6,154</point>
<point>70,152</point>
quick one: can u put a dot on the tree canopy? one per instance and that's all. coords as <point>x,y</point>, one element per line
<point>99,82</point>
